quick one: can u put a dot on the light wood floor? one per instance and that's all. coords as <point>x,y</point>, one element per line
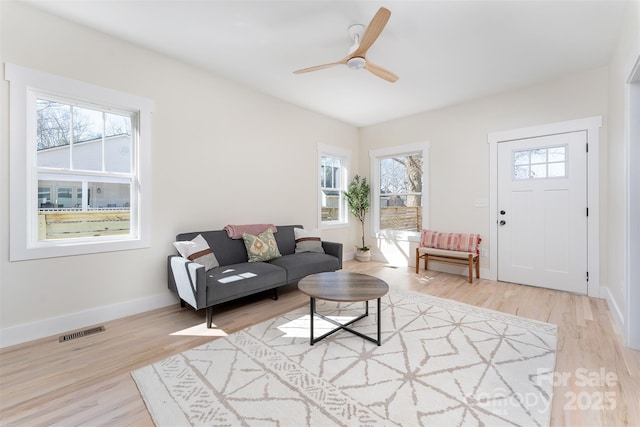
<point>86,381</point>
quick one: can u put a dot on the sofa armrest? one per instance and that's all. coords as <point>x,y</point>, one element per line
<point>188,280</point>
<point>335,249</point>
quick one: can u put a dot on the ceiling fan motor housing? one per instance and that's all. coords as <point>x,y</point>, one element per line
<point>356,63</point>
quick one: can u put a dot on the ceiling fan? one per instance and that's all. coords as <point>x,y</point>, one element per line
<point>363,39</point>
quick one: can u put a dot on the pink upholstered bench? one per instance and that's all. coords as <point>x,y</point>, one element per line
<point>452,248</point>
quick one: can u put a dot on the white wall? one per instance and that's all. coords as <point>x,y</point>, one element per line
<point>221,154</point>
<point>226,154</point>
<point>459,155</point>
<point>620,69</point>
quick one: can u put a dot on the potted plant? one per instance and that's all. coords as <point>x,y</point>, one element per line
<point>357,196</point>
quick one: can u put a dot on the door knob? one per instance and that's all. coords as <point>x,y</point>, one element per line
<point>502,212</point>
<point>503,222</point>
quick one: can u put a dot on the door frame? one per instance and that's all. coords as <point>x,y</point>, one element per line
<point>592,127</point>
<point>631,334</point>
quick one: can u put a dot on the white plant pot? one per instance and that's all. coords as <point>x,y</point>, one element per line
<point>363,256</point>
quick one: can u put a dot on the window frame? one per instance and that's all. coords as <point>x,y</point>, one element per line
<point>25,84</point>
<point>345,155</point>
<point>399,150</point>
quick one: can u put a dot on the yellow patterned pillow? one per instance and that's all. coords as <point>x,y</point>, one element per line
<point>262,247</point>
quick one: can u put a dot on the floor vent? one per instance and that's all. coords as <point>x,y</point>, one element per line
<point>79,334</point>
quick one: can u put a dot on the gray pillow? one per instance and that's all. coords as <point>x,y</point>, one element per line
<point>308,240</point>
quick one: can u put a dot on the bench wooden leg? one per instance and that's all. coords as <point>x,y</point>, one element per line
<point>425,257</point>
<point>471,268</point>
<point>478,266</point>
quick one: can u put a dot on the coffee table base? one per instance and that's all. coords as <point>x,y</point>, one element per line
<point>342,326</point>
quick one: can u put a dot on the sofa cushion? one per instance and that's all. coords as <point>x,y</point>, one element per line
<point>228,251</point>
<point>460,242</point>
<point>197,250</point>
<point>308,240</point>
<point>445,253</point>
<point>286,239</point>
<point>262,247</point>
<point>305,263</point>
<point>236,280</point>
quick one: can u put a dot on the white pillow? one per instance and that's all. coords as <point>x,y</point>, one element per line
<point>308,240</point>
<point>198,250</point>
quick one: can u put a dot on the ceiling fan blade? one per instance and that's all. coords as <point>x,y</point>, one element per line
<point>320,67</point>
<point>381,72</point>
<point>372,32</point>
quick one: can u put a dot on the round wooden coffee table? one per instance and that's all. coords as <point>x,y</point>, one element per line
<point>343,287</point>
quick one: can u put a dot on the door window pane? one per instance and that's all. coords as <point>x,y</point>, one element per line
<point>557,154</point>
<point>540,163</point>
<point>539,155</point>
<point>557,170</point>
<point>539,171</point>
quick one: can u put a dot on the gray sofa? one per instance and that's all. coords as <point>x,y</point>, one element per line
<point>204,289</point>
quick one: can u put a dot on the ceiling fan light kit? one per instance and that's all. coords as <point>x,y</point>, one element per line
<point>356,63</point>
<point>363,39</point>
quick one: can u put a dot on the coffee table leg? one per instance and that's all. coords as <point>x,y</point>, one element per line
<point>312,306</point>
<point>379,316</point>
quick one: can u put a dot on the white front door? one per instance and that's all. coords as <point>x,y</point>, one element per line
<point>542,212</point>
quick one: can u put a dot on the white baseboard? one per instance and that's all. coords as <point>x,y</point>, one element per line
<point>614,308</point>
<point>348,256</point>
<point>70,322</point>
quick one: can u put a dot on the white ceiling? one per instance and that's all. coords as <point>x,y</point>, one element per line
<point>444,52</point>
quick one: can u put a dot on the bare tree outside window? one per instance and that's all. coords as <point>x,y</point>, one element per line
<point>401,193</point>
<point>53,124</point>
<point>56,122</point>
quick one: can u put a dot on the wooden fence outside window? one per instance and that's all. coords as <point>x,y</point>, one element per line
<point>61,224</point>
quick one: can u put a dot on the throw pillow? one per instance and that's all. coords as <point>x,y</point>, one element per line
<point>262,247</point>
<point>451,241</point>
<point>198,250</point>
<point>308,240</point>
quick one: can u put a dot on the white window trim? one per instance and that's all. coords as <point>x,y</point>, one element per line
<point>374,158</point>
<point>345,155</point>
<point>24,80</point>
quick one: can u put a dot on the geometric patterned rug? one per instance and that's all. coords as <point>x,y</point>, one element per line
<point>441,363</point>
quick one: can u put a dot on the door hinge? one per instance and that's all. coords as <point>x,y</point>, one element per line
<point>587,211</point>
<point>587,144</point>
<point>587,276</point>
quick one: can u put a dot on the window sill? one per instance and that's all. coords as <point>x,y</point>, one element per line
<point>334,225</point>
<point>59,249</point>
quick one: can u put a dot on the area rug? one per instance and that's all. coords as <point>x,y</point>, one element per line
<point>441,363</point>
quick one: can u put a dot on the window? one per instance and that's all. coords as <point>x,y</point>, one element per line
<point>333,170</point>
<point>79,154</point>
<point>540,163</point>
<point>398,200</point>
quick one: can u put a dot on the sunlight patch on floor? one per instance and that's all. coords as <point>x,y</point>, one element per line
<point>299,328</point>
<point>201,330</point>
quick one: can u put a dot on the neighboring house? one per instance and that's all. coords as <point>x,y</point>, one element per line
<point>224,154</point>
<point>87,154</point>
